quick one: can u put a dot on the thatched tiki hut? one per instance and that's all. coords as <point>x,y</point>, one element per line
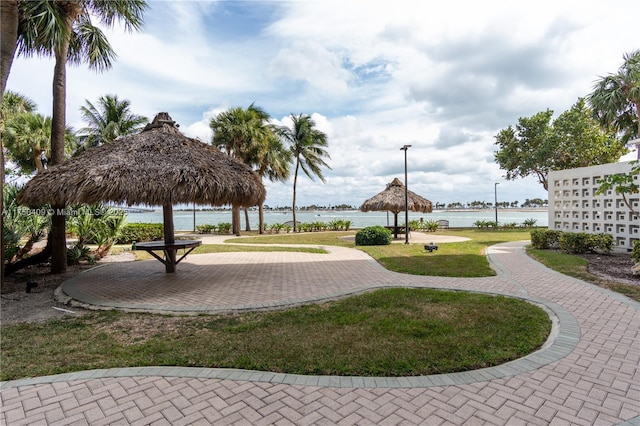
<point>392,199</point>
<point>156,167</point>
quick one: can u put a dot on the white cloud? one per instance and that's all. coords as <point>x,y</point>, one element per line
<point>312,63</point>
<point>443,77</point>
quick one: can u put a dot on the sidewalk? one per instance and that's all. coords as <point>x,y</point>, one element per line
<point>586,374</point>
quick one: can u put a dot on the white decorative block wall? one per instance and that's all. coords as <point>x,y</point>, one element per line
<point>574,206</point>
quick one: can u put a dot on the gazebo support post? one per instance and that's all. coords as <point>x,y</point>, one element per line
<point>395,225</point>
<point>169,237</point>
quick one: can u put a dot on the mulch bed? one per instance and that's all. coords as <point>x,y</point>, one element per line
<point>614,267</point>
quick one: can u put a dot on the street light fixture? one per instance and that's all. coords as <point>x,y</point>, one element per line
<point>495,195</point>
<point>406,196</point>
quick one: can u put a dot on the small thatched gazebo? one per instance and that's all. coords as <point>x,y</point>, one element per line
<point>392,199</point>
<point>158,166</point>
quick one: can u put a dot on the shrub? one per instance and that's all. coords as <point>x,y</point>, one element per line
<point>97,224</point>
<point>205,229</point>
<point>339,225</point>
<point>424,225</point>
<point>601,242</point>
<point>574,242</point>
<point>140,232</point>
<point>319,226</point>
<point>582,242</point>
<point>529,223</point>
<point>543,239</point>
<point>78,252</point>
<point>485,224</point>
<point>635,251</point>
<point>277,227</point>
<point>431,225</point>
<point>11,243</point>
<point>21,228</point>
<point>304,227</point>
<point>373,236</point>
<point>224,228</point>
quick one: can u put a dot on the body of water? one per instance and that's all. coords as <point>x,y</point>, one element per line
<point>184,219</point>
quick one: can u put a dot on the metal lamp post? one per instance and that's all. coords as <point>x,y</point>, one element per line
<point>495,195</point>
<point>406,196</point>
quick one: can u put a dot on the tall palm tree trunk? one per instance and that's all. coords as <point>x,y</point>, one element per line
<point>295,183</point>
<point>247,224</point>
<point>235,220</point>
<point>260,218</point>
<point>58,125</point>
<point>8,39</point>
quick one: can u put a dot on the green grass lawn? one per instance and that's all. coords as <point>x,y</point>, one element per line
<point>463,259</point>
<point>390,332</point>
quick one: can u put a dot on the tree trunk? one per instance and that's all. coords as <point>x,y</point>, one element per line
<point>27,246</point>
<point>260,219</point>
<point>58,125</point>
<point>38,162</point>
<point>8,39</point>
<point>293,208</point>
<point>235,211</point>
<point>234,225</point>
<point>36,259</point>
<point>247,225</point>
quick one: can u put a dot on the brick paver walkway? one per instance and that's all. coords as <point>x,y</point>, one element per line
<point>587,373</point>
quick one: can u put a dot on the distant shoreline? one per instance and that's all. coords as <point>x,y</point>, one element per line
<point>515,209</point>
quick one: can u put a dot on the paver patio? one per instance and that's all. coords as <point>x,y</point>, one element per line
<point>586,374</point>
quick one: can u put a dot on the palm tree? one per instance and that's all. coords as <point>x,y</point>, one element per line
<point>14,103</point>
<point>63,29</point>
<point>245,135</point>
<point>307,145</point>
<point>237,130</point>
<point>615,99</point>
<point>27,136</point>
<point>273,163</point>
<point>109,120</point>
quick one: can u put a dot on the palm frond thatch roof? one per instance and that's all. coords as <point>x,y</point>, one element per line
<point>158,166</point>
<point>392,199</point>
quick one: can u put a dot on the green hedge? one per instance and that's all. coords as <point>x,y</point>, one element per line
<point>141,232</point>
<point>205,229</point>
<point>544,239</point>
<point>581,242</point>
<point>571,242</point>
<point>373,236</point>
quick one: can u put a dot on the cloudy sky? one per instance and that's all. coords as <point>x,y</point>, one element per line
<point>444,77</point>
